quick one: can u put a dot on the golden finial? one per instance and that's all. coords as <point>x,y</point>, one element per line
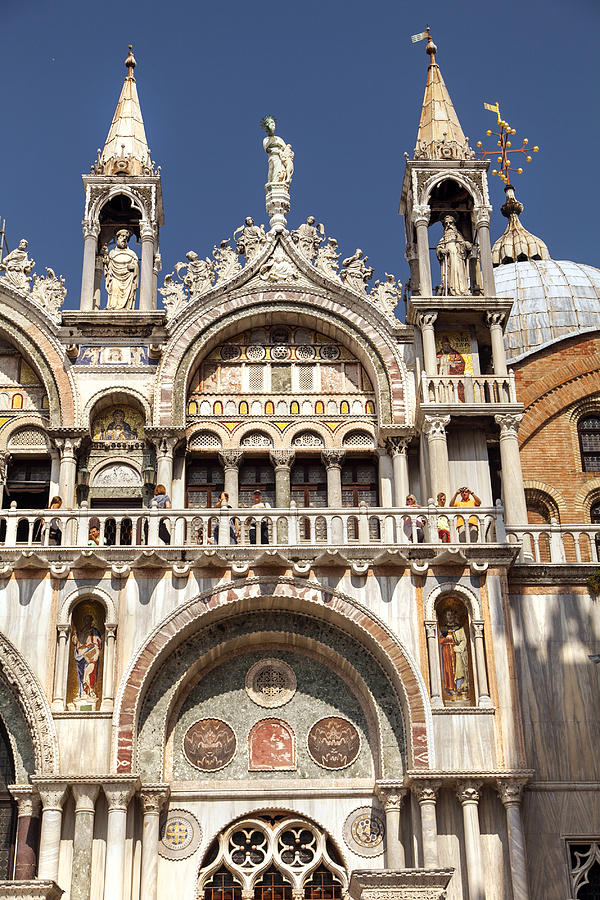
<point>130,62</point>
<point>431,49</point>
<point>504,133</point>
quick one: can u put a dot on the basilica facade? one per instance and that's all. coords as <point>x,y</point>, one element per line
<point>298,598</point>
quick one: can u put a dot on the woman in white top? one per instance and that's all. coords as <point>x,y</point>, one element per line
<point>264,525</point>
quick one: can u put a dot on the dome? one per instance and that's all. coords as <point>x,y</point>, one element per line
<point>552,300</point>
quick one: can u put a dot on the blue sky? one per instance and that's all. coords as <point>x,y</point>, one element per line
<point>345,84</point>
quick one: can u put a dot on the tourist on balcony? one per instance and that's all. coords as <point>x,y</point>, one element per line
<point>163,501</point>
<point>54,530</point>
<point>259,503</point>
<point>223,503</point>
<point>443,523</point>
<point>94,536</point>
<point>407,522</point>
<point>467,498</point>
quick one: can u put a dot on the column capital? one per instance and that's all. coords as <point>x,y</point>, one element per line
<point>333,458</point>
<point>421,214</point>
<point>435,426</point>
<point>110,629</point>
<point>426,319</point>
<point>392,796</point>
<point>52,794</point>
<point>67,446</point>
<point>85,796</point>
<point>481,216</point>
<point>468,792</point>
<point>431,629</point>
<point>63,630</point>
<point>282,458</point>
<point>426,791</point>
<point>147,231</point>
<point>397,445</point>
<point>477,629</point>
<point>119,793</point>
<point>90,229</point>
<point>28,801</point>
<point>153,797</point>
<point>509,424</point>
<point>231,459</point>
<point>494,319</point>
<point>510,791</point>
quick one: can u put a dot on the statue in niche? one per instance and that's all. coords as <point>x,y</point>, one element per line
<point>454,655</point>
<point>198,275</point>
<point>355,273</point>
<point>227,263</point>
<point>453,252</point>
<point>307,237</point>
<point>121,271</point>
<point>251,240</point>
<point>387,293</point>
<point>281,155</point>
<point>85,667</point>
<point>327,259</point>
<point>16,267</point>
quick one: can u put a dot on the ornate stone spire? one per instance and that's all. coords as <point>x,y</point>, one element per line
<point>440,135</point>
<point>516,244</point>
<point>126,149</point>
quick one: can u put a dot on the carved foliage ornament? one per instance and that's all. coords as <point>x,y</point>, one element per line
<point>48,291</point>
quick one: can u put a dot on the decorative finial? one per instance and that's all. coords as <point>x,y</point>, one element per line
<point>504,153</point>
<point>431,49</point>
<point>130,62</point>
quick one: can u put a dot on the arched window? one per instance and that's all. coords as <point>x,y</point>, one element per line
<point>243,408</point>
<point>589,443</point>
<point>222,886</point>
<point>585,870</point>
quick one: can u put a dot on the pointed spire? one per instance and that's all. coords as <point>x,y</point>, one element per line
<point>126,149</point>
<point>516,244</point>
<point>440,135</point>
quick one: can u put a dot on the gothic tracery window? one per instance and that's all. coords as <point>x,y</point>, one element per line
<point>584,860</point>
<point>588,428</point>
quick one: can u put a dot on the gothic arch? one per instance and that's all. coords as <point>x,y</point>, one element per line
<point>106,196</point>
<point>452,175</point>
<point>285,594</point>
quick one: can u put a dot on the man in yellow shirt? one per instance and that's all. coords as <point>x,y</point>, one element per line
<point>467,498</point>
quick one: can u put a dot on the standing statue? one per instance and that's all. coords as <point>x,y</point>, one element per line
<point>355,273</point>
<point>251,240</point>
<point>227,263</point>
<point>121,270</point>
<point>17,266</point>
<point>281,155</point>
<point>198,273</point>
<point>453,252</point>
<point>308,237</point>
<point>387,293</point>
<point>327,259</point>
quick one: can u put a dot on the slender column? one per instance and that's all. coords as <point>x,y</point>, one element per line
<point>510,795</point>
<point>152,798</point>
<point>230,460</point>
<point>468,794</point>
<point>413,264</point>
<point>495,322</point>
<point>164,461</point>
<point>28,831</point>
<point>4,461</point>
<point>394,851</point>
<point>147,296</point>
<point>98,275</point>
<point>515,504</point>
<point>108,676</point>
<point>52,795</point>
<point>482,679</point>
<point>482,224</point>
<point>68,469</point>
<point>426,322</point>
<point>420,219</point>
<point>282,461</point>
<point>333,460</point>
<point>426,794</point>
<point>439,468</point>
<point>60,668</point>
<point>386,479</point>
<point>91,231</point>
<point>85,800</point>
<point>435,681</point>
<point>118,796</point>
<point>398,449</point>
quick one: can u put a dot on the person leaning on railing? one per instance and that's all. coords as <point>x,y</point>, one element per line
<point>163,501</point>
<point>443,523</point>
<point>467,498</point>
<point>259,503</point>
<point>407,521</point>
<point>53,526</point>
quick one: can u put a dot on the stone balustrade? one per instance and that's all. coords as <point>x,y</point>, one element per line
<point>555,543</point>
<point>468,389</point>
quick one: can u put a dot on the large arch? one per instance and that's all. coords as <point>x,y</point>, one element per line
<point>273,593</point>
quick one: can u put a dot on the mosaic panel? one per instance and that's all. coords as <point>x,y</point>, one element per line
<point>364,831</point>
<point>333,742</point>
<point>180,835</point>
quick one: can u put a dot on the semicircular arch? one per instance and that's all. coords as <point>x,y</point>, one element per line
<point>113,396</point>
<point>452,589</point>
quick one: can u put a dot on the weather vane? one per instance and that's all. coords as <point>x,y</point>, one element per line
<point>504,134</point>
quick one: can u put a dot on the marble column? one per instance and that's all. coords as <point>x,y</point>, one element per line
<point>426,794</point>
<point>412,257</point>
<point>435,680</point>
<point>28,831</point>
<point>426,322</point>
<point>386,494</point>
<point>282,461</point>
<point>152,798</point>
<point>515,504</point>
<point>230,460</point>
<point>439,468</point>
<point>164,461</point>
<point>83,835</point>
<point>52,795</point>
<point>394,851</point>
<point>333,460</point>
<point>147,296</point>
<point>91,232</point>
<point>68,470</point>
<point>468,795</point>
<point>481,215</point>
<point>60,668</point>
<point>118,794</point>
<point>483,689</point>
<point>98,275</point>
<point>510,795</point>
<point>495,322</point>
<point>108,670</point>
<point>420,220</point>
<point>398,449</point>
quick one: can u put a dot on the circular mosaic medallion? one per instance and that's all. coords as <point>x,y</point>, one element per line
<point>305,352</point>
<point>364,831</point>
<point>255,352</point>
<point>209,744</point>
<point>280,351</point>
<point>180,834</point>
<point>270,683</point>
<point>330,351</point>
<point>333,742</point>
<point>229,352</point>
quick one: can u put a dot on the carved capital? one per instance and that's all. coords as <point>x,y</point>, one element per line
<point>230,459</point>
<point>495,319</point>
<point>427,319</point>
<point>397,446</point>
<point>468,792</point>
<point>391,795</point>
<point>510,792</point>
<point>28,802</point>
<point>435,426</point>
<point>118,794</point>
<point>63,632</point>
<point>110,631</point>
<point>153,798</point>
<point>481,216</point>
<point>333,458</point>
<point>478,629</point>
<point>426,791</point>
<point>165,446</point>
<point>68,447</point>
<point>509,424</point>
<point>146,231</point>
<point>85,797</point>
<point>90,229</point>
<point>421,214</point>
<point>282,458</point>
<point>52,795</point>
<point>431,630</point>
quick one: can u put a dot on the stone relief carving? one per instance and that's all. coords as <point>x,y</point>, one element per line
<point>279,268</point>
<point>227,263</point>
<point>121,272</point>
<point>17,266</point>
<point>333,742</point>
<point>387,293</point>
<point>307,237</point>
<point>327,259</point>
<point>355,273</point>
<point>209,744</point>
<point>251,240</point>
<point>199,273</point>
<point>270,683</point>
<point>48,290</point>
<point>453,252</point>
<point>173,294</point>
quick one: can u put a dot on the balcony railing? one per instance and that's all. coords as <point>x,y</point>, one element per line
<point>468,389</point>
<point>557,543</point>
